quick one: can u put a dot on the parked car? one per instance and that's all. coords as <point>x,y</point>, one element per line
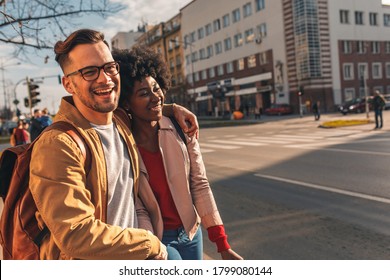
<point>7,127</point>
<point>279,109</point>
<point>356,105</point>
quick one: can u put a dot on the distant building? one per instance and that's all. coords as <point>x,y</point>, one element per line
<point>125,40</point>
<point>227,55</point>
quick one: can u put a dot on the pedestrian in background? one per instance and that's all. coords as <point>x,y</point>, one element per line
<point>316,110</point>
<point>175,195</point>
<point>45,118</point>
<point>21,134</point>
<point>36,126</point>
<point>379,103</point>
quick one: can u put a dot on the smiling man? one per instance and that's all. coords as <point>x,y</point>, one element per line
<point>89,213</point>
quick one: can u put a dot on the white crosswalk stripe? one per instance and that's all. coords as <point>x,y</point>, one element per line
<point>238,142</point>
<point>299,139</point>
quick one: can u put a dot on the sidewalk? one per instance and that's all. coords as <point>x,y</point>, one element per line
<point>207,122</point>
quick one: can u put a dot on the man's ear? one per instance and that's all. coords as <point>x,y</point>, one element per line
<point>67,84</point>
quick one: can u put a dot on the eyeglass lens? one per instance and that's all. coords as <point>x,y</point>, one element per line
<point>93,72</point>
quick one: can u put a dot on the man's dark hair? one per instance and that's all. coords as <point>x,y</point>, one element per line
<point>81,36</point>
<point>138,63</point>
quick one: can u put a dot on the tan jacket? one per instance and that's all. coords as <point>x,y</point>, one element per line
<point>186,176</point>
<point>76,214</point>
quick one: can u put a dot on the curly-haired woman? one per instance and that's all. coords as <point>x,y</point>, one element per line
<point>174,196</point>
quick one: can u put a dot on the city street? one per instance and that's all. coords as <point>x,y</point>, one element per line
<point>291,190</point>
<point>287,189</point>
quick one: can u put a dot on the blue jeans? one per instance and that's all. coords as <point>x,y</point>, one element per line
<point>378,118</point>
<point>180,247</point>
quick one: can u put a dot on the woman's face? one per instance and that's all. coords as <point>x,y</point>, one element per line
<point>146,100</point>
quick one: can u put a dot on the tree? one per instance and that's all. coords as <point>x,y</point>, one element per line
<point>38,24</point>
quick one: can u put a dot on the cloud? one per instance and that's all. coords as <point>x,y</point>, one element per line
<point>138,11</point>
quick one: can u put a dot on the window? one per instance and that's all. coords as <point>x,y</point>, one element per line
<point>387,70</point>
<point>386,19</point>
<point>347,47</point>
<point>209,51</point>
<point>349,94</point>
<point>218,47</point>
<point>228,44</point>
<point>362,71</point>
<point>189,78</point>
<point>236,15</point>
<point>200,33</point>
<point>262,30</point>
<point>359,18</point>
<point>375,47</point>
<point>171,63</point>
<point>196,76</point>
<point>387,47</point>
<point>247,9</point>
<point>238,40</point>
<point>202,54</point>
<point>220,70</point>
<point>212,72</point>
<point>178,60</point>
<point>260,5</point>
<point>192,37</point>
<point>194,56</point>
<point>361,47</point>
<point>217,25</point>
<point>373,19</point>
<point>252,61</point>
<point>203,74</point>
<point>377,70</point>
<point>344,16</point>
<point>240,64</point>
<point>229,67</point>
<point>249,35</point>
<point>263,58</point>
<point>348,71</point>
<point>188,59</point>
<point>226,20</point>
<point>208,29</point>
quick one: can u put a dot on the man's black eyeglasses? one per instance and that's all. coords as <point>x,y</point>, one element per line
<point>91,73</point>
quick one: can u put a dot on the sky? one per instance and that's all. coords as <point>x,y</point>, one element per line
<point>136,12</point>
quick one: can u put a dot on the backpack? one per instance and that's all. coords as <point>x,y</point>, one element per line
<point>20,235</point>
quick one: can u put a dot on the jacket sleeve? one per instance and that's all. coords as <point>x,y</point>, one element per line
<point>58,185</point>
<point>201,193</point>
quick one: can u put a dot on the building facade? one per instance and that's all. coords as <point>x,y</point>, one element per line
<point>227,55</point>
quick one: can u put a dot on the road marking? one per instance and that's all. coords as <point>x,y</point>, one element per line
<point>238,143</point>
<point>325,188</point>
<point>225,147</point>
<point>315,146</point>
<point>203,151</point>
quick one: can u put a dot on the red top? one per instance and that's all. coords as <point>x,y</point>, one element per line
<point>158,182</point>
<point>171,219</point>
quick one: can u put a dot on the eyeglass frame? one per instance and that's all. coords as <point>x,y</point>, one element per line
<point>99,68</point>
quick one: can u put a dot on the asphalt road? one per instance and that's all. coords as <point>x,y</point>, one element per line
<point>290,190</point>
<point>287,189</point>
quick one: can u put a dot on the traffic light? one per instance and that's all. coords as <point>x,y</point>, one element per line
<point>301,90</point>
<point>33,93</point>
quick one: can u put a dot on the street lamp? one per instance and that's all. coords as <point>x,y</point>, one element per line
<point>191,60</point>
<point>3,80</point>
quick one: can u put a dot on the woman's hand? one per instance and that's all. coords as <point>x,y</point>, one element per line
<point>229,254</point>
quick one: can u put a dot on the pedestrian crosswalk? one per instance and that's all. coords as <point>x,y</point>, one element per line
<point>292,139</point>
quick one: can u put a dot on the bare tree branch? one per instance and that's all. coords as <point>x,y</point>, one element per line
<point>36,24</point>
